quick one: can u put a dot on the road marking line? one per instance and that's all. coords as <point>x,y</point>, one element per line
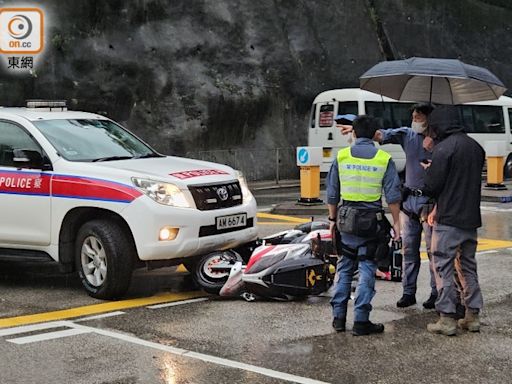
<point>487,244</point>
<point>495,209</point>
<point>103,316</point>
<point>48,336</point>
<point>491,251</point>
<point>487,252</point>
<point>177,303</point>
<point>31,328</point>
<point>97,308</point>
<point>199,356</point>
<point>291,219</point>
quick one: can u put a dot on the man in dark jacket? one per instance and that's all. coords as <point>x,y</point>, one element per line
<point>454,180</point>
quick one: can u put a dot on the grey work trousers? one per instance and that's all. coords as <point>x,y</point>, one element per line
<point>447,243</point>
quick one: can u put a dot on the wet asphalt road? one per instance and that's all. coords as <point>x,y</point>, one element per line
<point>204,341</point>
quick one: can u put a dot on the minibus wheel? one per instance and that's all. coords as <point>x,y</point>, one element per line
<point>507,169</point>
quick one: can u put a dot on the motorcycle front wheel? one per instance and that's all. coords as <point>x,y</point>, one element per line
<point>212,270</point>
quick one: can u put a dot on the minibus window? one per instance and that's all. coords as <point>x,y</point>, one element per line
<point>347,107</point>
<point>313,116</point>
<point>326,117</point>
<point>483,119</point>
<point>510,118</point>
<point>390,115</point>
<point>467,119</point>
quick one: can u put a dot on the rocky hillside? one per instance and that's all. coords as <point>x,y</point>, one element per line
<point>241,74</point>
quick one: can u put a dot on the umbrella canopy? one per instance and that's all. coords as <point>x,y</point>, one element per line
<point>442,81</point>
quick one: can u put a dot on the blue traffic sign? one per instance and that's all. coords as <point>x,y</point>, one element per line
<point>303,155</point>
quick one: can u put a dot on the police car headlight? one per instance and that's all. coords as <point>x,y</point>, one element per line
<point>162,193</point>
<point>246,193</point>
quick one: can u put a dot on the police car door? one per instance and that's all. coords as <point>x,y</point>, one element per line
<point>24,190</point>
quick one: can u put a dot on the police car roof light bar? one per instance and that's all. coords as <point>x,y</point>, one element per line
<point>57,105</point>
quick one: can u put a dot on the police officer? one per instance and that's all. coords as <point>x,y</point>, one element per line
<point>417,143</point>
<point>357,177</point>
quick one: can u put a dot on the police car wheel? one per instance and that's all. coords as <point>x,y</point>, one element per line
<point>207,277</point>
<point>104,259</point>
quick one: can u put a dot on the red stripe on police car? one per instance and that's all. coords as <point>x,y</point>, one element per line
<point>94,189</point>
<point>25,183</point>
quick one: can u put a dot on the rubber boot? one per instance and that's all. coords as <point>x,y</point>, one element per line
<point>470,322</point>
<point>445,326</point>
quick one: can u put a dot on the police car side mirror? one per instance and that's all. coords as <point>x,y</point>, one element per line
<point>27,158</point>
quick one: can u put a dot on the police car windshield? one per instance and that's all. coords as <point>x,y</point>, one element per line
<point>92,140</point>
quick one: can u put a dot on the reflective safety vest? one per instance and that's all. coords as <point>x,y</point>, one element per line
<point>361,179</point>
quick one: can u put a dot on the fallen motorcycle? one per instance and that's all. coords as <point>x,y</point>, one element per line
<point>292,263</point>
<point>300,268</point>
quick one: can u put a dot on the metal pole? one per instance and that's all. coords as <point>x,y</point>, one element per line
<point>277,165</point>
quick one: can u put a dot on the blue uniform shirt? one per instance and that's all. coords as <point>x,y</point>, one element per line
<point>365,149</point>
<point>412,144</point>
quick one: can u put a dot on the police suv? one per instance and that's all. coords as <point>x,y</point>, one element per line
<point>79,189</point>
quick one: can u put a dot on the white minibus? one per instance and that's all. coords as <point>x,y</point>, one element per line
<point>487,120</point>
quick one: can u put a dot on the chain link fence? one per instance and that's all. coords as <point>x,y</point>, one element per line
<point>256,164</point>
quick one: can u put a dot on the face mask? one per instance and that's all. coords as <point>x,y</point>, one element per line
<point>418,127</point>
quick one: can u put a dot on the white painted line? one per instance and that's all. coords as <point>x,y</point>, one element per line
<point>31,328</point>
<point>200,356</point>
<point>175,303</point>
<point>495,209</point>
<point>487,252</point>
<point>102,316</point>
<point>48,336</point>
<point>477,254</point>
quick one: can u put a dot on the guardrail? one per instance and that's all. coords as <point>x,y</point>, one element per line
<point>256,164</point>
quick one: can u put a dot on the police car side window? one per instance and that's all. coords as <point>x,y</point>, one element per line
<point>13,137</point>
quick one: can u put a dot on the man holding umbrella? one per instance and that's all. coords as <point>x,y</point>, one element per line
<point>442,81</point>
<point>417,144</point>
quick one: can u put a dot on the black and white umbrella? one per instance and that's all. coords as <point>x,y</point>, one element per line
<point>441,81</point>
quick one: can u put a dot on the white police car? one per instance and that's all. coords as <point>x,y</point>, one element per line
<point>78,188</point>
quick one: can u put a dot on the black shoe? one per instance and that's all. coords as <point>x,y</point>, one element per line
<point>460,311</point>
<point>431,302</point>
<point>406,301</point>
<point>362,328</point>
<point>338,324</point>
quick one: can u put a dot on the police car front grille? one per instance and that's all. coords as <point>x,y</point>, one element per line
<point>208,197</point>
